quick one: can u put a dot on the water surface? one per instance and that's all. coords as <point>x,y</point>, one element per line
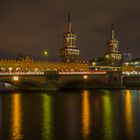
<point>70,115</point>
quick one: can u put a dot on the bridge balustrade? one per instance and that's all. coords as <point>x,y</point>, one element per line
<point>53,72</point>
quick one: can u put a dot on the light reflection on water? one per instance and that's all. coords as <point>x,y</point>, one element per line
<point>86,115</point>
<point>107,116</point>
<point>128,113</point>
<point>47,117</point>
<point>16,117</point>
<point>80,115</point>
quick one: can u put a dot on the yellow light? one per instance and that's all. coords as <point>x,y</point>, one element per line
<point>86,118</point>
<point>15,78</point>
<point>94,63</point>
<point>107,56</point>
<point>17,121</point>
<point>45,53</point>
<point>85,77</point>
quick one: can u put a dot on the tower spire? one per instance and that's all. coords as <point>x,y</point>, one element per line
<point>112,32</point>
<point>69,23</point>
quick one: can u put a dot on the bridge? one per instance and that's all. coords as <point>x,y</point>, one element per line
<point>56,80</point>
<point>43,75</point>
<point>29,74</point>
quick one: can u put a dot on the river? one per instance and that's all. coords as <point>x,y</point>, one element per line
<point>70,115</point>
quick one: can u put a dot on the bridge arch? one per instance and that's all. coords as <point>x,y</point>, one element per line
<point>3,69</point>
<point>18,69</point>
<point>27,69</point>
<point>10,69</point>
<point>82,84</point>
<point>22,84</point>
<point>36,69</point>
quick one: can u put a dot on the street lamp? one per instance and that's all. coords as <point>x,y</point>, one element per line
<point>45,53</point>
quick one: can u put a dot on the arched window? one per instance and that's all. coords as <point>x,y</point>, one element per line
<point>42,69</point>
<point>36,69</point>
<point>55,69</point>
<point>18,69</point>
<point>49,69</point>
<point>61,70</point>
<point>3,69</point>
<point>72,70</point>
<point>27,69</point>
<point>10,69</point>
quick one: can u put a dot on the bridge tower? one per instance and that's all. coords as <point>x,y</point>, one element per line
<point>112,55</point>
<point>69,52</point>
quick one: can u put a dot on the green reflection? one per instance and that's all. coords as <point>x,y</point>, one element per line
<point>47,117</point>
<point>16,117</point>
<point>86,120</point>
<point>107,116</point>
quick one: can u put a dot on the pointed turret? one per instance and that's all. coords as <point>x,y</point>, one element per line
<point>69,23</point>
<point>112,32</point>
<point>69,52</point>
<point>112,55</point>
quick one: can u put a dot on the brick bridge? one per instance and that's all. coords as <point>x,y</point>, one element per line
<point>43,75</point>
<point>54,80</point>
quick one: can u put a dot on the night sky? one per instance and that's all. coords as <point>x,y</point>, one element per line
<point>31,26</point>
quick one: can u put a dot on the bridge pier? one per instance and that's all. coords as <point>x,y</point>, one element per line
<point>52,78</point>
<point>115,79</point>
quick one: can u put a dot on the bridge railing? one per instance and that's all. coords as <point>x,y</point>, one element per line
<point>80,73</point>
<point>21,73</point>
<point>60,73</point>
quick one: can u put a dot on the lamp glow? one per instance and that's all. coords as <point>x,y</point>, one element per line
<point>15,78</point>
<point>45,53</point>
<point>85,77</point>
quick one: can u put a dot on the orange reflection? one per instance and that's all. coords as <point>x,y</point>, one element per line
<point>128,111</point>
<point>16,129</point>
<point>85,115</point>
<point>0,114</point>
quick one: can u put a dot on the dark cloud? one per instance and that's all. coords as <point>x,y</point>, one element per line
<point>31,26</point>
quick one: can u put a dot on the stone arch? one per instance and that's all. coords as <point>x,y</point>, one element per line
<point>42,69</point>
<point>81,70</point>
<point>49,69</point>
<point>67,70</point>
<point>10,69</point>
<point>18,69</point>
<point>61,70</point>
<point>3,69</point>
<point>55,69</point>
<point>27,69</point>
<point>36,69</point>
<point>72,70</point>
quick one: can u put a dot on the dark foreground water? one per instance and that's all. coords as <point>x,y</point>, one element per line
<point>73,115</point>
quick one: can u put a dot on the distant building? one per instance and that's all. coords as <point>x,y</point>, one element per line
<point>112,55</point>
<point>126,57</point>
<point>69,52</point>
